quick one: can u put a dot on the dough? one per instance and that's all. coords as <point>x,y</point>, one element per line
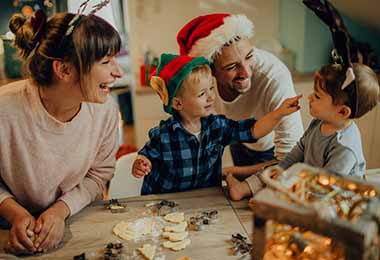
<point>175,236</point>
<point>181,227</point>
<point>176,217</point>
<point>148,251</point>
<point>133,230</point>
<point>176,246</point>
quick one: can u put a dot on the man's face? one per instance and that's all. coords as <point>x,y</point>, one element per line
<point>233,67</point>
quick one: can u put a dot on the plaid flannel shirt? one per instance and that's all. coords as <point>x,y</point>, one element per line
<point>180,162</point>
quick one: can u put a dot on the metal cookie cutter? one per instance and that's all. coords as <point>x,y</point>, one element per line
<point>80,257</point>
<point>113,251</point>
<point>241,247</point>
<point>212,216</point>
<point>116,207</point>
<point>163,207</point>
<point>205,218</point>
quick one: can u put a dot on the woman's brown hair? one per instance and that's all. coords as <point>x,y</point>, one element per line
<point>92,39</point>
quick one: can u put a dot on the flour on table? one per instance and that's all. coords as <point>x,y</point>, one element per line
<point>140,229</point>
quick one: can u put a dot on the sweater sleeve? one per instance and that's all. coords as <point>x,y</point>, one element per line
<point>290,128</point>
<point>295,155</point>
<point>94,183</point>
<point>4,193</point>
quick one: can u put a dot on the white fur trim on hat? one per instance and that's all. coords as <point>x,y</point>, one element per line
<point>234,25</point>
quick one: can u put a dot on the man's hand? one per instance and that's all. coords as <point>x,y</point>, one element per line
<point>50,226</point>
<point>141,166</point>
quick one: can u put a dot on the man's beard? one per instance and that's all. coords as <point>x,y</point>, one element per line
<point>237,90</point>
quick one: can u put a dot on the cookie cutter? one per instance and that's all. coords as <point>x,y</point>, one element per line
<point>116,207</point>
<point>199,221</point>
<point>163,207</point>
<point>80,257</point>
<point>113,251</point>
<point>241,247</point>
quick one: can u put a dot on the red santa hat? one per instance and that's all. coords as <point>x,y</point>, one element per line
<point>207,34</point>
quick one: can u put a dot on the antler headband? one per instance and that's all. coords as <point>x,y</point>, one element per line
<point>81,9</point>
<point>341,39</point>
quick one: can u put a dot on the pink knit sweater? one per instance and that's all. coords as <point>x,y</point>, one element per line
<point>43,160</point>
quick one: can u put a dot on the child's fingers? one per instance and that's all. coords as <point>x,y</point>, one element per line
<point>138,173</point>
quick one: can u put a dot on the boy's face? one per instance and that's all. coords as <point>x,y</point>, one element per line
<point>233,66</point>
<point>198,100</point>
<point>321,103</point>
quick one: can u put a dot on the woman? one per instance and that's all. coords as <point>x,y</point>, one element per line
<point>58,135</point>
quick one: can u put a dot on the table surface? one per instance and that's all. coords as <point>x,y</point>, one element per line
<point>91,229</point>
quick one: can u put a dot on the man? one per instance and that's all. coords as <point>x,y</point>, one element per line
<point>251,82</point>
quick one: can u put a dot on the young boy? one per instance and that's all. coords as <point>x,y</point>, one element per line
<point>332,140</point>
<point>184,152</point>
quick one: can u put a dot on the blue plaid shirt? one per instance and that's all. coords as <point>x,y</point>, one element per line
<point>180,162</point>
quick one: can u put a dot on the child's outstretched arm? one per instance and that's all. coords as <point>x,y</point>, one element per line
<point>265,125</point>
<point>141,166</point>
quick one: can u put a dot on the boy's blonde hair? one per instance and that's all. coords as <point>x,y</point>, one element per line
<point>194,78</point>
<point>361,97</point>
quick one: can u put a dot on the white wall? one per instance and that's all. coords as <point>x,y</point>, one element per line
<point>154,24</point>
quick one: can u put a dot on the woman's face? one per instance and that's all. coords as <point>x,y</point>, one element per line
<point>101,78</point>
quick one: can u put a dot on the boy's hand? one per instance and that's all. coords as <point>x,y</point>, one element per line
<point>289,106</point>
<point>141,166</point>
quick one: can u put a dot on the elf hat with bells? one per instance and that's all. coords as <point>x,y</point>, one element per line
<point>169,75</point>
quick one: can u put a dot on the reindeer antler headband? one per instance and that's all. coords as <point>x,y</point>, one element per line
<point>341,39</point>
<point>81,9</point>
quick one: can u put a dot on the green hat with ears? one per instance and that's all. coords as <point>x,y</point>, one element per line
<point>170,73</point>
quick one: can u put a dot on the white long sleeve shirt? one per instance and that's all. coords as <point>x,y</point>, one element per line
<point>271,84</point>
<point>43,160</point>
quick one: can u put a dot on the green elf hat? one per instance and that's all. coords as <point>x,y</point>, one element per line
<point>170,73</point>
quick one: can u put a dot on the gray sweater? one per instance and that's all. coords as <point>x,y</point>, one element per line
<point>340,153</point>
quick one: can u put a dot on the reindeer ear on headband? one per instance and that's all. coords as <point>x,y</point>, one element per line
<point>158,84</point>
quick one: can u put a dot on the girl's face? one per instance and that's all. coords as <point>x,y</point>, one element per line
<point>321,103</point>
<point>102,77</point>
<point>198,100</point>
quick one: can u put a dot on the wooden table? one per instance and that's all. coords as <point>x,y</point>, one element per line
<point>91,229</point>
